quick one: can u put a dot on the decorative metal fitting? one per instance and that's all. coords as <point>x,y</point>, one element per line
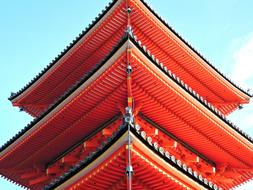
<point>129,30</point>
<point>179,163</point>
<point>137,127</point>
<point>149,139</point>
<point>200,177</point>
<point>128,110</point>
<point>195,174</point>
<point>155,144</point>
<point>128,118</point>
<point>143,134</point>
<point>161,150</point>
<point>129,10</point>
<point>190,171</point>
<point>129,69</point>
<point>205,181</point>
<point>167,154</point>
<point>173,159</point>
<point>129,170</point>
<point>185,167</point>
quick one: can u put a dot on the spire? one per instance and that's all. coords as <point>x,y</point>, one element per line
<point>129,31</point>
<point>129,118</point>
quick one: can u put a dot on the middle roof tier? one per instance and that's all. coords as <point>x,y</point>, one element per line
<point>158,95</point>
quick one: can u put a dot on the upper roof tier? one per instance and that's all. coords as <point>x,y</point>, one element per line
<point>92,46</point>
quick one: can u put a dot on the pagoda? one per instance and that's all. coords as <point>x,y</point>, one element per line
<point>129,105</point>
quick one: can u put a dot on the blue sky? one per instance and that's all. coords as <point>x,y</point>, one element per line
<point>32,33</point>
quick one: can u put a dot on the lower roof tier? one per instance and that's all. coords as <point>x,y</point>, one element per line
<point>158,95</point>
<point>151,169</point>
<point>156,139</point>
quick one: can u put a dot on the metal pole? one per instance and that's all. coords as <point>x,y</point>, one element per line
<point>129,165</point>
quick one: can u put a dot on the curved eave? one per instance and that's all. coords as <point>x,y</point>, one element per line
<point>49,69</point>
<point>181,40</point>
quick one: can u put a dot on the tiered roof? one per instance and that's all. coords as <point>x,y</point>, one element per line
<point>179,135</point>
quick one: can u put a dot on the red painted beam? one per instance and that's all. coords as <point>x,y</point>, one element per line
<point>38,180</point>
<point>69,159</point>
<point>54,169</point>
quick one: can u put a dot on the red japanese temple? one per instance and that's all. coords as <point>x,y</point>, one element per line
<point>129,105</point>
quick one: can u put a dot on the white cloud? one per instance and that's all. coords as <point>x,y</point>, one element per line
<point>242,60</point>
<point>241,71</point>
